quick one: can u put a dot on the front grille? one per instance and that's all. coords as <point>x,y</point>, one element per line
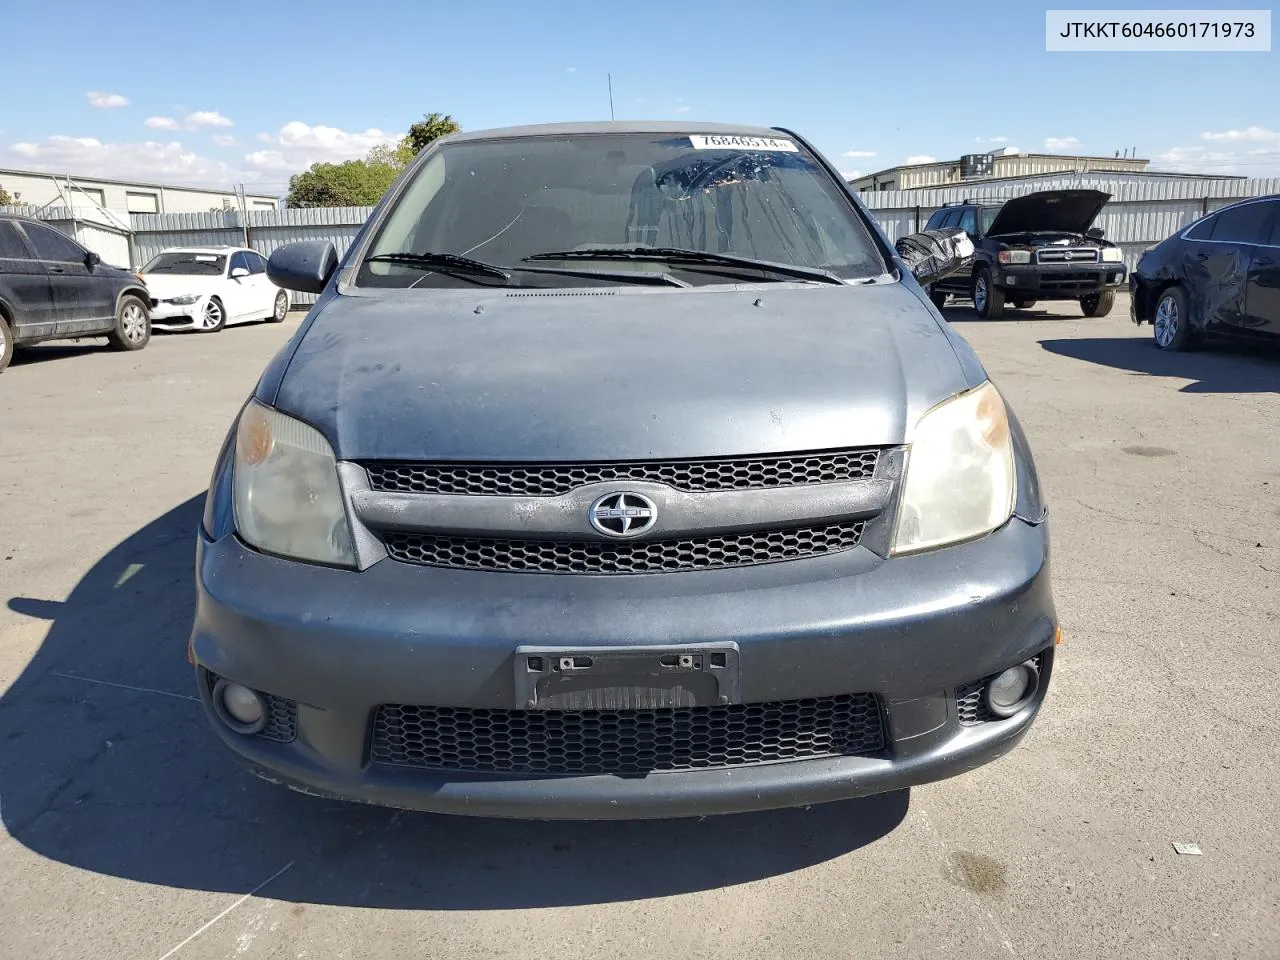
<point>624,741</point>
<point>1068,255</point>
<point>657,556</point>
<point>551,479</point>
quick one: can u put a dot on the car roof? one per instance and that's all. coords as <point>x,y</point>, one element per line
<point>614,126</point>
<point>219,250</point>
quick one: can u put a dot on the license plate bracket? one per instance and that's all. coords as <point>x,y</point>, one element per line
<point>626,678</point>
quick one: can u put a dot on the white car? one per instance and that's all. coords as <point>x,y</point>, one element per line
<point>206,288</point>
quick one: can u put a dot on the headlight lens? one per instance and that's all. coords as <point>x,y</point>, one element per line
<point>286,493</point>
<point>183,300</point>
<point>1112,255</point>
<point>960,478</point>
<point>1014,256</point>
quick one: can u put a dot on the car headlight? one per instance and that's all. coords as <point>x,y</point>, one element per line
<point>1112,255</point>
<point>286,495</point>
<point>960,479</point>
<point>1014,256</point>
<point>184,300</point>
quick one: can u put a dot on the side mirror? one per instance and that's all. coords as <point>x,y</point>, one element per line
<point>305,266</point>
<point>238,272</point>
<point>91,259</point>
<point>1095,233</point>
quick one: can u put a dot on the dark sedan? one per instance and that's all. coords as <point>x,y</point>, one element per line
<point>621,470</point>
<point>1218,277</point>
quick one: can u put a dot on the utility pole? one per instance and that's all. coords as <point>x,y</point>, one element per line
<point>610,96</point>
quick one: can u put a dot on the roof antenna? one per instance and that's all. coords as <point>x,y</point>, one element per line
<point>610,95</point>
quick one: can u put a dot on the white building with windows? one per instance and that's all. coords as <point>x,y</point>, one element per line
<point>121,197</point>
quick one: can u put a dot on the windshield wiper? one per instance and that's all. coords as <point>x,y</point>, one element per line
<point>694,259</point>
<point>622,276</point>
<point>450,263</point>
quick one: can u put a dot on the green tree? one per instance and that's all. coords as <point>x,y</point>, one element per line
<point>356,183</point>
<point>431,127</point>
<point>361,183</point>
<point>5,199</point>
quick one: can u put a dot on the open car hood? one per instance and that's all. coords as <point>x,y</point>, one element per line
<point>1068,211</point>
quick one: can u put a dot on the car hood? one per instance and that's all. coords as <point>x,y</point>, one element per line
<point>623,373</point>
<point>165,285</point>
<point>1068,211</point>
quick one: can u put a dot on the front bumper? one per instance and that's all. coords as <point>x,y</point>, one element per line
<point>1060,281</point>
<point>172,316</point>
<point>909,630</point>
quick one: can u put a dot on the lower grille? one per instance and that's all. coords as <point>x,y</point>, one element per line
<point>655,556</point>
<point>589,742</point>
<point>1085,284</point>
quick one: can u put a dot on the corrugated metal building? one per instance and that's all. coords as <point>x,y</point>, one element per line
<point>36,188</point>
<point>978,167</point>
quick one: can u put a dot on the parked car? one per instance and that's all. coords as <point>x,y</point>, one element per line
<point>1218,277</point>
<point>621,470</point>
<point>51,288</point>
<point>206,288</point>
<point>1041,246</point>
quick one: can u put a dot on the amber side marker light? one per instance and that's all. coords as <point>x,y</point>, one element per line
<point>1057,636</point>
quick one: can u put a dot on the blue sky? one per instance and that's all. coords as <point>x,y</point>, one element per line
<point>252,92</point>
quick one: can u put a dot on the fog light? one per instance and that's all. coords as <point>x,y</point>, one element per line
<point>240,708</point>
<point>1008,692</point>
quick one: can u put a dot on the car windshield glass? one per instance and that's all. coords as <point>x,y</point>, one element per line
<point>195,264</point>
<point>503,201</point>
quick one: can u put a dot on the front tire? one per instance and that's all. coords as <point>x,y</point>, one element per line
<point>214,316</point>
<point>988,299</point>
<point>6,343</point>
<point>281,308</point>
<point>1098,305</point>
<point>133,325</point>
<point>1171,325</point>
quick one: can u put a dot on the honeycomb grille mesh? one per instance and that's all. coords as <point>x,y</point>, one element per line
<point>552,479</point>
<point>657,556</point>
<point>624,742</point>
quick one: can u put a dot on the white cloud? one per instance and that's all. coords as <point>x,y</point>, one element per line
<point>192,121</point>
<point>990,139</point>
<point>920,158</point>
<point>1061,143</point>
<point>224,140</point>
<point>298,145</point>
<point>683,109</point>
<point>106,101</point>
<point>1248,133</point>
<point>858,153</point>
<point>206,118</point>
<point>851,174</point>
<point>87,157</point>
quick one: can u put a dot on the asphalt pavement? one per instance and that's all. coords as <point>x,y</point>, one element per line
<point>128,832</point>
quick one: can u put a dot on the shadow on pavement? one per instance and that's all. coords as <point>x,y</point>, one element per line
<point>963,313</point>
<point>42,352</point>
<point>123,777</point>
<point>1215,368</point>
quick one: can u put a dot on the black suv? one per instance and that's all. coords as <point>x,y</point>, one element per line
<point>51,288</point>
<point>1041,246</point>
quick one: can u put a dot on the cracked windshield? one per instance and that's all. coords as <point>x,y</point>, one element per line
<point>500,482</point>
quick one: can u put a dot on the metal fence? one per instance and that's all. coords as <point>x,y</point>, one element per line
<point>1140,213</point>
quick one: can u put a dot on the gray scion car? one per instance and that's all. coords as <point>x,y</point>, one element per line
<point>620,470</point>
